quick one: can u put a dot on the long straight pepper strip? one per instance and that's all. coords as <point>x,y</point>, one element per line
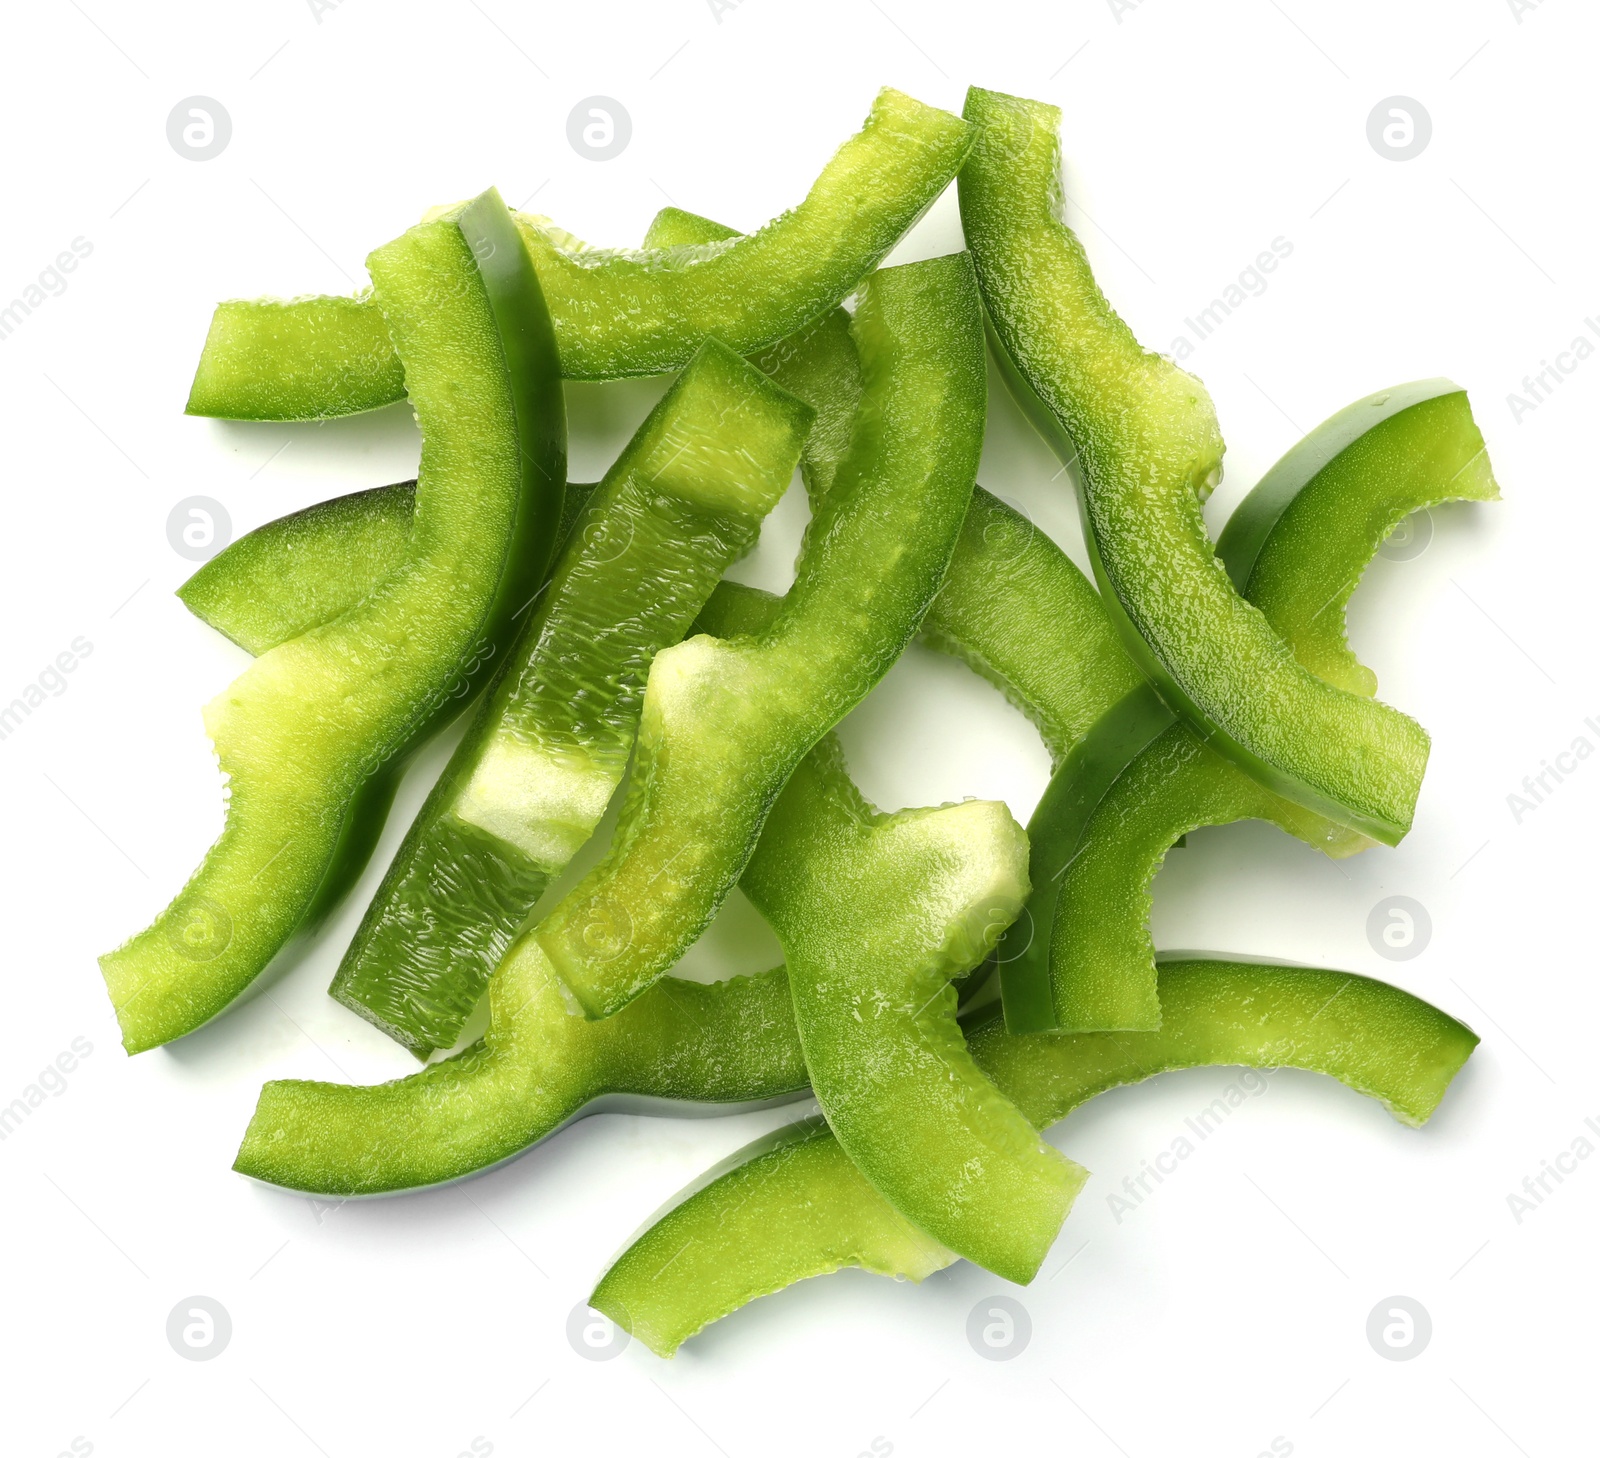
<point>1297,545</point>
<point>1148,449</point>
<point>616,313</point>
<point>531,779</point>
<point>793,1205</point>
<point>313,733</point>
<point>726,721</point>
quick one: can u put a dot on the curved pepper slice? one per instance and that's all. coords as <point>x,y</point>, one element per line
<point>303,570</point>
<point>1297,545</point>
<point>531,779</point>
<point>1306,534</point>
<point>877,915</point>
<point>726,721</point>
<point>1149,451</point>
<point>616,313</point>
<point>539,1067</point>
<point>793,1205</point>
<point>311,735</point>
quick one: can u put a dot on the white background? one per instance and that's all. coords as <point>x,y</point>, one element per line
<point>1229,1309</point>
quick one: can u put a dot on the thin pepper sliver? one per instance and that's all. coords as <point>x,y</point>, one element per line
<point>616,312</point>
<point>312,735</point>
<point>1145,439</point>
<point>793,1205</point>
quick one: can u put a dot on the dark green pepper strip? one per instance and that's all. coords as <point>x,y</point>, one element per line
<point>726,721</point>
<point>1101,960</point>
<point>312,734</point>
<point>877,915</point>
<point>1149,451</point>
<point>535,772</point>
<point>1297,545</point>
<point>793,1205</point>
<point>1301,539</point>
<point>616,313</point>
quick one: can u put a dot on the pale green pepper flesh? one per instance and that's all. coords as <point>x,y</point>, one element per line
<point>794,1206</point>
<point>531,779</point>
<point>303,570</point>
<point>616,313</point>
<point>726,721</point>
<point>1297,545</point>
<point>1145,438</point>
<point>312,734</point>
<point>877,915</point>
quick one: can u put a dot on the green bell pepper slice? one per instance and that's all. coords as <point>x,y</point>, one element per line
<point>726,721</point>
<point>616,312</point>
<point>1297,545</point>
<point>312,735</point>
<point>1145,437</point>
<point>1301,539</point>
<point>294,574</point>
<point>878,915</point>
<point>534,774</point>
<point>539,1065</point>
<point>793,1205</point>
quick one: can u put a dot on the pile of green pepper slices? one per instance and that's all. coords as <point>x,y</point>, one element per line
<point>585,630</point>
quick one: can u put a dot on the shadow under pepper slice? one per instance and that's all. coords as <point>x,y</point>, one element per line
<point>616,313</point>
<point>727,720</point>
<point>793,1205</point>
<point>1145,439</point>
<point>312,734</point>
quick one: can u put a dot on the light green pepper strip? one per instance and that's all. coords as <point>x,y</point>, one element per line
<point>536,770</point>
<point>312,734</point>
<point>793,1205</point>
<point>726,721</point>
<point>1297,545</point>
<point>1149,451</point>
<point>296,573</point>
<point>616,312</point>
<point>1301,540</point>
<point>878,914</point>
<point>303,570</point>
